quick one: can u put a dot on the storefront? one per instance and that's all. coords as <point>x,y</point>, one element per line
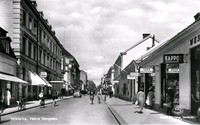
<point>195,79</point>
<point>146,79</point>
<point>170,76</point>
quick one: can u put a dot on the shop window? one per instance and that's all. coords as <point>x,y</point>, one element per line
<point>172,80</point>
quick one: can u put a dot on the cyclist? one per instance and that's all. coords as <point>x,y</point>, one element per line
<point>41,96</point>
<point>54,95</point>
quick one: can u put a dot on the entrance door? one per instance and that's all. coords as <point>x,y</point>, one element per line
<point>195,79</point>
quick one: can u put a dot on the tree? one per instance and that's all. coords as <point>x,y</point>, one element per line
<point>91,86</point>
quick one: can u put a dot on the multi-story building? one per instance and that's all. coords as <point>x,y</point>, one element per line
<point>35,44</point>
<point>83,78</point>
<point>71,72</point>
<point>8,68</point>
<point>127,64</point>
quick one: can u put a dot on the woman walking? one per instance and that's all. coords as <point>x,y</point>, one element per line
<point>150,97</point>
<point>141,99</point>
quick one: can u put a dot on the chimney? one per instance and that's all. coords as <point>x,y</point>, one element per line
<point>145,35</point>
<point>197,16</point>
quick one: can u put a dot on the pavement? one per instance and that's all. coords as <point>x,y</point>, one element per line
<point>31,104</point>
<point>127,113</point>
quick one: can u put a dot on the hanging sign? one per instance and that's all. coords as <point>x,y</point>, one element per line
<point>173,58</point>
<point>146,70</point>
<point>173,70</point>
<point>132,75</point>
<point>43,74</point>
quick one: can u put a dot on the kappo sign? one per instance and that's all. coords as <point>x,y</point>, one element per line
<point>173,58</point>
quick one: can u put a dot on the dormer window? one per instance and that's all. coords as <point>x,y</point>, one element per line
<point>6,45</point>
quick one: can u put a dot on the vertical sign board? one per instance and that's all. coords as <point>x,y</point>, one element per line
<point>173,58</point>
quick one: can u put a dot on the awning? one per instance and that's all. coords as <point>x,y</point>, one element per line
<point>36,80</point>
<point>48,84</point>
<point>11,78</point>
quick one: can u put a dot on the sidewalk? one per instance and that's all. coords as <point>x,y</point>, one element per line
<point>31,104</point>
<point>125,113</point>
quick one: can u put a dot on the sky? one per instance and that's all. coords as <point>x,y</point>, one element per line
<point>96,31</point>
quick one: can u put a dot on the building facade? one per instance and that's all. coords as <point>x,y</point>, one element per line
<point>35,45</point>
<point>83,78</point>
<point>8,69</point>
<point>71,72</point>
<point>126,67</point>
<point>176,65</point>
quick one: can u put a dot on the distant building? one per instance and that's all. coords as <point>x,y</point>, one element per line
<point>83,78</point>
<point>70,70</point>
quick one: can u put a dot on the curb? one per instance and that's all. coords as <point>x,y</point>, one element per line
<point>37,105</point>
<point>116,115</point>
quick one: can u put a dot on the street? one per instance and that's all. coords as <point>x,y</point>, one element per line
<point>71,111</point>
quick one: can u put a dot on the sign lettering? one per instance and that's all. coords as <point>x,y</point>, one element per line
<point>173,58</point>
<point>146,70</point>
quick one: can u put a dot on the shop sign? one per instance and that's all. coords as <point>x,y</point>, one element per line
<point>153,74</point>
<point>195,40</point>
<point>146,70</point>
<point>135,74</point>
<point>173,70</point>
<point>43,74</point>
<point>173,58</point>
<point>132,75</point>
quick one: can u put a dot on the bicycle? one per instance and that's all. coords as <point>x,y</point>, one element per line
<point>42,103</point>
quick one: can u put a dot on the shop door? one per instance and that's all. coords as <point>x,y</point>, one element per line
<point>195,79</point>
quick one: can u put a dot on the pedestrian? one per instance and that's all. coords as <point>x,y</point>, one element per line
<point>54,95</point>
<point>7,98</point>
<point>99,96</point>
<point>141,99</point>
<point>92,96</point>
<point>150,97</point>
<point>170,100</point>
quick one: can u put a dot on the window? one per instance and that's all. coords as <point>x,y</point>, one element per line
<point>44,59</point>
<point>29,49</point>
<point>48,42</point>
<point>35,29</point>
<point>30,23</point>
<point>24,18</point>
<point>48,62</point>
<point>24,45</point>
<point>44,38</point>
<point>6,45</point>
<point>40,35</point>
<point>40,56</point>
<point>35,52</point>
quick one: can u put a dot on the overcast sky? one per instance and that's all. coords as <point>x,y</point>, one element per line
<point>96,31</point>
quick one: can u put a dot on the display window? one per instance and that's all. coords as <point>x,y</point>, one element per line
<point>195,79</point>
<point>170,80</point>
